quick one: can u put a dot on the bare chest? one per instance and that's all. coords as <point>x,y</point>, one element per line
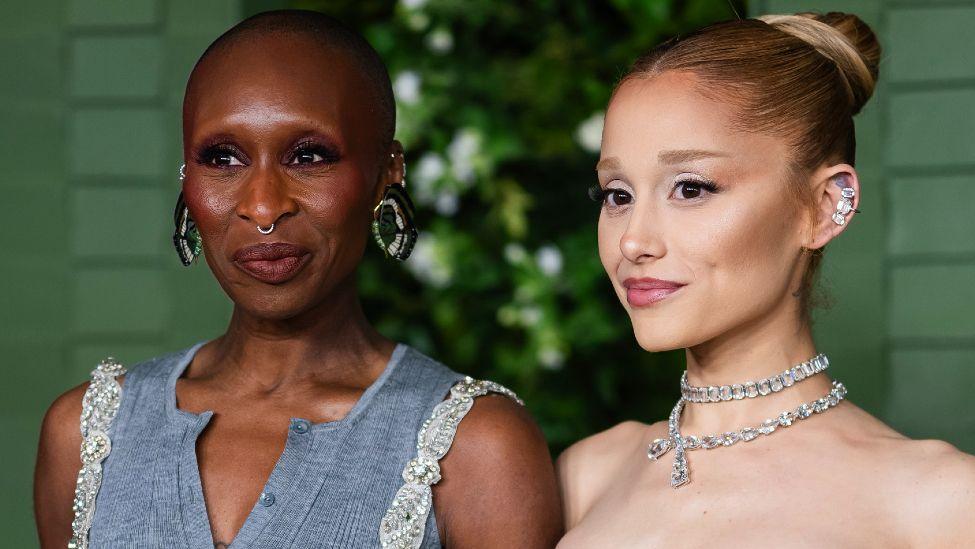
<point>235,460</point>
<point>240,447</point>
<point>747,502</point>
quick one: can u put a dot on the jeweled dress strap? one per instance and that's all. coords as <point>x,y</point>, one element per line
<point>98,409</point>
<point>405,520</point>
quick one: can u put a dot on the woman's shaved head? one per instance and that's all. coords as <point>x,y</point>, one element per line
<point>330,34</point>
<point>288,121</point>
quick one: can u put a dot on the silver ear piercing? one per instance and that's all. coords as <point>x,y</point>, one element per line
<point>844,206</point>
<point>393,155</point>
<point>182,172</point>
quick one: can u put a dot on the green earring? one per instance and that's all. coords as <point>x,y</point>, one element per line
<point>187,239</point>
<point>393,224</point>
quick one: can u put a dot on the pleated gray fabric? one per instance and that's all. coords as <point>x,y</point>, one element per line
<point>330,487</point>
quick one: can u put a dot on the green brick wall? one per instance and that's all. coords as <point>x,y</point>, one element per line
<point>90,144</point>
<point>929,164</point>
<point>903,328</point>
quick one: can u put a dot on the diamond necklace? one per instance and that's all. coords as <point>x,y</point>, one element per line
<point>680,474</point>
<point>752,389</point>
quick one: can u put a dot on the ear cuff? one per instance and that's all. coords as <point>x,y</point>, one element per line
<point>844,206</point>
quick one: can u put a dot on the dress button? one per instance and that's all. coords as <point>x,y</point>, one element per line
<point>267,499</point>
<point>300,426</point>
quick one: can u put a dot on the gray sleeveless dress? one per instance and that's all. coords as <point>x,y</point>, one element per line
<point>331,486</point>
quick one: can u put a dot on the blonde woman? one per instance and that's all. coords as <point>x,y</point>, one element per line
<point>727,166</point>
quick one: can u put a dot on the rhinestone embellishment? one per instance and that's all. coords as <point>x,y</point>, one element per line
<point>752,389</point>
<point>844,206</point>
<point>403,525</point>
<point>98,409</point>
<point>680,474</point>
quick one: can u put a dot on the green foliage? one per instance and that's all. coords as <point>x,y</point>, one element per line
<point>499,108</point>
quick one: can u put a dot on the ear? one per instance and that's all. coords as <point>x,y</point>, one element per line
<point>393,169</point>
<point>828,185</point>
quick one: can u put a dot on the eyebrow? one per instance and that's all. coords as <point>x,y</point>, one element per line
<point>611,163</point>
<point>687,155</point>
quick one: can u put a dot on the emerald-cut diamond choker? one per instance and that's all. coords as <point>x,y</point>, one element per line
<point>752,389</point>
<point>680,444</point>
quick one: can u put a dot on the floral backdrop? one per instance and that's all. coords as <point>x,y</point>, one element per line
<point>500,108</point>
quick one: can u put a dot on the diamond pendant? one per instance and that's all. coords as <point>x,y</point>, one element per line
<point>658,448</point>
<point>678,474</point>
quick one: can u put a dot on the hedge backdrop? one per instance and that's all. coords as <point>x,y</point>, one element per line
<point>500,108</point>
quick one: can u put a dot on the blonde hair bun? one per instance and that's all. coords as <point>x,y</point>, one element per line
<point>843,38</point>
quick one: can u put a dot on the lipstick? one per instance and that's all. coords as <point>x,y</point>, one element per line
<point>643,292</point>
<point>272,263</point>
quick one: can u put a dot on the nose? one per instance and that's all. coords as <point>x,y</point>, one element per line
<point>266,198</point>
<point>642,240</point>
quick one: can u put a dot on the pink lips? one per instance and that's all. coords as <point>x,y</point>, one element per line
<point>642,292</point>
<point>273,263</point>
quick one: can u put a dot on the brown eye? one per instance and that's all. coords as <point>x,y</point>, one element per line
<point>311,153</point>
<point>618,197</point>
<point>306,157</point>
<point>693,190</point>
<point>690,190</point>
<point>220,156</point>
<point>225,159</point>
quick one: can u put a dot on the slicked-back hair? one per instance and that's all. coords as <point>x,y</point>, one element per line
<point>801,76</point>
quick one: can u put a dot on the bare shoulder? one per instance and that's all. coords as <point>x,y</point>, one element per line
<point>57,466</point>
<point>58,462</point>
<point>928,484</point>
<point>936,491</point>
<point>587,468</point>
<point>498,477</point>
<point>607,447</point>
<point>498,422</point>
<point>62,421</point>
<point>496,426</point>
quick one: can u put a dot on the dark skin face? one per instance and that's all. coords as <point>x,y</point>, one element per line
<point>278,130</point>
<point>290,141</point>
<point>295,144</point>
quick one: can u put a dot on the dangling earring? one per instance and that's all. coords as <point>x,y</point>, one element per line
<point>187,239</point>
<point>393,224</point>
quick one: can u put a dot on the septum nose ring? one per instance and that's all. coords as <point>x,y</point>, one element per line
<point>268,230</point>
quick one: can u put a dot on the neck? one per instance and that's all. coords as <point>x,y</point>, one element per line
<point>751,352</point>
<point>332,342</point>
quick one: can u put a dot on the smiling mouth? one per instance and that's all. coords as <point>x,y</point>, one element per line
<point>647,292</point>
<point>274,263</point>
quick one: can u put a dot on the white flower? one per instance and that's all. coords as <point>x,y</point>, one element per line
<point>413,4</point>
<point>429,168</point>
<point>514,253</point>
<point>530,316</point>
<point>406,87</point>
<point>440,40</point>
<point>461,151</point>
<point>447,203</point>
<point>589,134</point>
<point>551,358</point>
<point>429,263</point>
<point>422,179</point>
<point>549,260</point>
